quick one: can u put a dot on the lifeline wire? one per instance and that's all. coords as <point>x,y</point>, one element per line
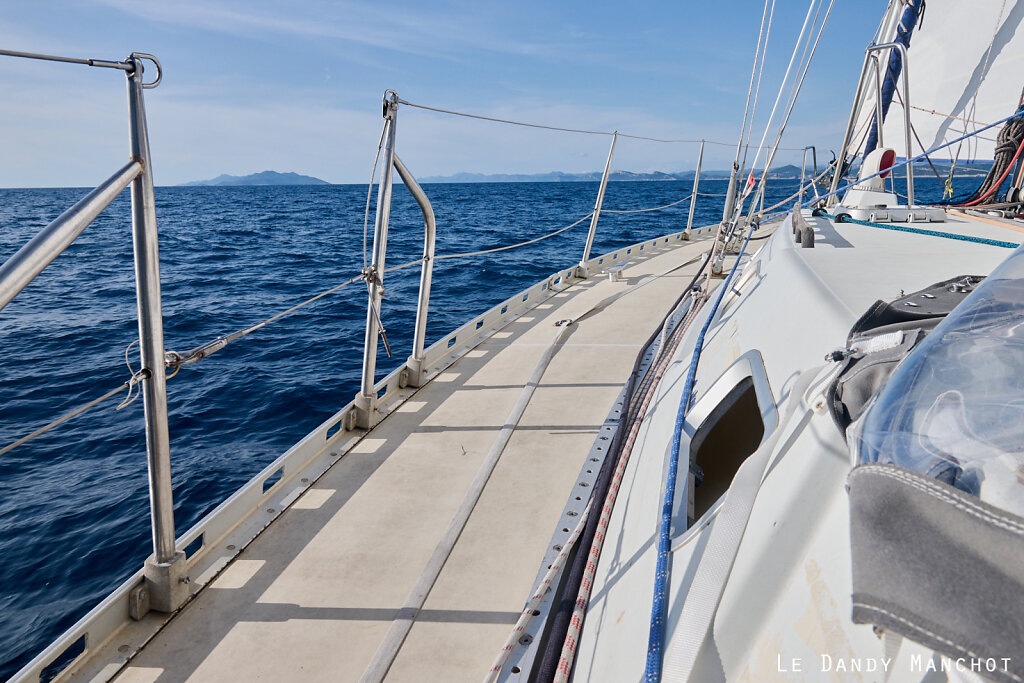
<point>513,246</point>
<point>176,360</point>
<point>653,208</point>
<point>61,420</point>
<point>108,63</point>
<point>558,128</point>
<point>208,349</point>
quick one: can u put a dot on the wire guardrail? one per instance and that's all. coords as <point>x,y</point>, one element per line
<point>653,208</point>
<point>525,124</point>
<point>175,360</point>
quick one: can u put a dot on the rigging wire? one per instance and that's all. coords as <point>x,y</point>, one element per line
<point>759,52</point>
<point>796,194</point>
<point>973,108</point>
<point>948,116</point>
<point>369,190</point>
<point>844,188</point>
<point>920,144</point>
<point>804,62</point>
<point>785,78</point>
<point>792,102</point>
<point>757,92</point>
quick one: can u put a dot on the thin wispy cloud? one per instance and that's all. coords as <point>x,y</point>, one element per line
<point>402,29</point>
<point>255,85</point>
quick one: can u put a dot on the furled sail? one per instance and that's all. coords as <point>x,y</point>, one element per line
<point>966,69</point>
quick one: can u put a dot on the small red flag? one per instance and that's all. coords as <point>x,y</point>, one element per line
<point>749,186</point>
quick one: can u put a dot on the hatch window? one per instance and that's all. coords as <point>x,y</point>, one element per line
<point>726,438</point>
<point>725,426</point>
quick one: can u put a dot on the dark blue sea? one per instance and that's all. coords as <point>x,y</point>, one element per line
<point>74,507</point>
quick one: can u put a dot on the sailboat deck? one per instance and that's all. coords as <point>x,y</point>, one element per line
<point>860,264</point>
<point>312,597</point>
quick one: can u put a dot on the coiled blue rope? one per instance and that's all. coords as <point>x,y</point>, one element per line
<point>652,673</point>
<point>843,218</point>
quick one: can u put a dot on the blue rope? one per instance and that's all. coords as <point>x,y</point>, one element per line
<point>652,673</point>
<point>843,218</point>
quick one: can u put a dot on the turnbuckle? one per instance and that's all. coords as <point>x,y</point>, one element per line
<point>370,275</point>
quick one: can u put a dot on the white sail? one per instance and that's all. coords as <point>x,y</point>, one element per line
<point>966,69</point>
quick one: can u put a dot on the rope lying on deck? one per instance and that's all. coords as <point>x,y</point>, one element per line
<point>637,413</point>
<point>565,602</point>
<point>843,218</point>
<point>660,605</point>
<point>400,627</point>
<point>546,584</point>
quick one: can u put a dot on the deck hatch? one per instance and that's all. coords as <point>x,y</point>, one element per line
<point>727,423</point>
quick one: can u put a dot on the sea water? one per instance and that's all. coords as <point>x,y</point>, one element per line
<point>74,503</point>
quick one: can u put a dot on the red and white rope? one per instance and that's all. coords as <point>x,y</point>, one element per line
<point>586,584</point>
<point>543,588</point>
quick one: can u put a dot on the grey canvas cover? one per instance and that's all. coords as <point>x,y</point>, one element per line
<point>937,565</point>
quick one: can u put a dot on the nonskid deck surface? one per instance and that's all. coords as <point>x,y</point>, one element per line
<point>312,597</point>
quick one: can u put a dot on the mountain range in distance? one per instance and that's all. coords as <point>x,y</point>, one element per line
<point>788,172</point>
<point>782,173</point>
<point>277,178</point>
<point>964,169</point>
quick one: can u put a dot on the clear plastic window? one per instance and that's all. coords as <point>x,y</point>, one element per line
<point>954,408</point>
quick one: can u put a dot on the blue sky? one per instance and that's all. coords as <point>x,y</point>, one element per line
<point>258,85</point>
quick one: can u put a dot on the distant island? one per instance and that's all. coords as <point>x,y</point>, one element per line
<point>262,178</point>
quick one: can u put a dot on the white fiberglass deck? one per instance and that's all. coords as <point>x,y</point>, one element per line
<point>312,597</point>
